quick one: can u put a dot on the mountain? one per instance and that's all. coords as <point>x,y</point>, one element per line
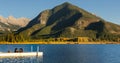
<point>67,20</point>
<point>12,24</point>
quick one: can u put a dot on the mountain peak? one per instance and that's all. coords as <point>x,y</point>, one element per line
<point>67,3</point>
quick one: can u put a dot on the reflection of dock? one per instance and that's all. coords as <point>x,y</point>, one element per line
<point>24,54</point>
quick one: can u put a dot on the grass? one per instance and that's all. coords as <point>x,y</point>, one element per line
<point>59,42</point>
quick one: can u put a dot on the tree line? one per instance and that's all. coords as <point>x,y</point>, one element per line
<point>11,37</point>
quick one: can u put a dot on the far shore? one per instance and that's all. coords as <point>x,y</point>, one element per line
<point>59,42</point>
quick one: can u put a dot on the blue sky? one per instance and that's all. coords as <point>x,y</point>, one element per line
<point>107,9</point>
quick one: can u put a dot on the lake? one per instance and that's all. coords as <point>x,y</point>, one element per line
<point>68,53</point>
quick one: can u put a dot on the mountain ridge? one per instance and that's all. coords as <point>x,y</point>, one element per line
<point>12,24</point>
<point>12,20</point>
<point>67,20</point>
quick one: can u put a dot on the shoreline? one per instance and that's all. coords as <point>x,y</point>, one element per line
<point>59,42</point>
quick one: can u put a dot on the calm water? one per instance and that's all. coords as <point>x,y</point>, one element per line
<point>71,53</point>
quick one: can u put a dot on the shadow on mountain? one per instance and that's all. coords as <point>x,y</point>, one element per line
<point>68,22</point>
<point>96,26</point>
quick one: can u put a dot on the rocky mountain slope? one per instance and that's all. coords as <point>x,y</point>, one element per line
<point>12,24</point>
<point>67,20</point>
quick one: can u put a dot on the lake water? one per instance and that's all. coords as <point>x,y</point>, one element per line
<point>70,53</point>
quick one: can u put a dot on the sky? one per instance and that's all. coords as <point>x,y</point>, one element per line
<point>107,9</point>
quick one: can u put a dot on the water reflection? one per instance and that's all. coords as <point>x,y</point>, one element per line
<point>22,60</point>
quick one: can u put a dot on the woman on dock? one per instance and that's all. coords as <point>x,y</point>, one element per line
<point>16,50</point>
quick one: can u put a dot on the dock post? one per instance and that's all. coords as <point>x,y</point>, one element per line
<point>37,54</point>
<point>31,51</point>
<point>31,48</point>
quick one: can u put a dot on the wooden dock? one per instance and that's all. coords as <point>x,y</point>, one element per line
<point>24,54</point>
